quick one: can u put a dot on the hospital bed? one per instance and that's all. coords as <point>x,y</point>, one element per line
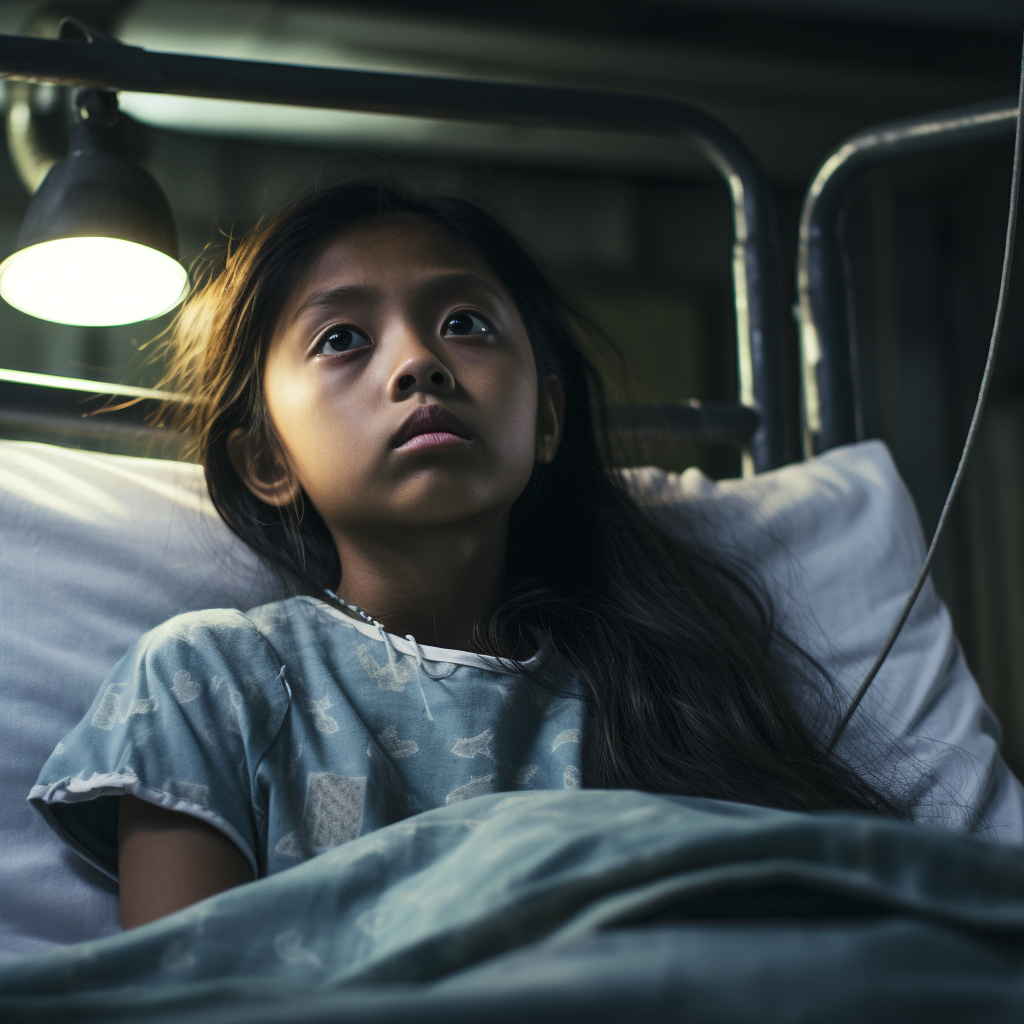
<point>633,905</point>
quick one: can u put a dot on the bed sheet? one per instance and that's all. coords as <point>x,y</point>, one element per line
<point>586,904</point>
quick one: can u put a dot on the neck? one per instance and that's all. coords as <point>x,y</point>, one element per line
<point>431,582</point>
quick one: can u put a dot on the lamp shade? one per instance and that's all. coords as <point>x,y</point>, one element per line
<point>98,244</point>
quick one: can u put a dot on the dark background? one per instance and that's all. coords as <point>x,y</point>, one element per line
<point>638,231</point>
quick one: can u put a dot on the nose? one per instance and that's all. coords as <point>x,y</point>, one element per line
<point>419,369</point>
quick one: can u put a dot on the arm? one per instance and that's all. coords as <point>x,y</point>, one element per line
<point>168,860</point>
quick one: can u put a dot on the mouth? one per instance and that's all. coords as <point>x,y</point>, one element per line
<point>431,425</point>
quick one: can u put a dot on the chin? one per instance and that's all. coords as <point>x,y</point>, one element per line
<point>436,502</point>
<point>443,510</point>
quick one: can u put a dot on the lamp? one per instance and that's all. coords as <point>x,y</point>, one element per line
<point>98,245</point>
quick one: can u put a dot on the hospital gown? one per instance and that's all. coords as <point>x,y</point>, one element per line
<point>293,728</point>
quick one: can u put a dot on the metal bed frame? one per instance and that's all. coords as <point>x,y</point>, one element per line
<point>832,402</point>
<point>758,422</point>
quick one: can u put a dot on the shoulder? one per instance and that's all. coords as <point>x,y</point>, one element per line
<point>223,638</point>
<point>208,625</point>
<point>208,666</point>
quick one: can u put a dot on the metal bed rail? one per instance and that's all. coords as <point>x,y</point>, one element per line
<point>763,425</point>
<point>71,412</point>
<point>831,401</point>
<point>83,410</point>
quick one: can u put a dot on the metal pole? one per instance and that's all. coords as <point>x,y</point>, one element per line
<point>109,65</point>
<point>831,412</point>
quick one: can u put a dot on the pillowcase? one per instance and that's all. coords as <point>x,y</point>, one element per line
<point>97,549</point>
<point>94,551</point>
<point>837,544</point>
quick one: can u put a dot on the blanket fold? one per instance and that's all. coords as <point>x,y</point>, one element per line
<point>407,920</point>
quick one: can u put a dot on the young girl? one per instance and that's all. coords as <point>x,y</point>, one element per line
<point>392,409</point>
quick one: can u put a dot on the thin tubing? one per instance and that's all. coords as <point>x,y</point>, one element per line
<point>986,380</point>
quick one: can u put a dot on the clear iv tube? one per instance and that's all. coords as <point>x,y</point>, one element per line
<point>986,380</point>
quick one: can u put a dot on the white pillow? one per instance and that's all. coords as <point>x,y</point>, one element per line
<point>97,549</point>
<point>94,551</point>
<point>838,544</point>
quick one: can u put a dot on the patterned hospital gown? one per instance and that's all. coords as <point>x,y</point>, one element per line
<point>293,728</point>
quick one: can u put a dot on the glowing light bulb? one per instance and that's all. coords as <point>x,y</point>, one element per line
<point>92,281</point>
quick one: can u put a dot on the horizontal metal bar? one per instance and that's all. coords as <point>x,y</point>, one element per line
<point>99,413</point>
<point>123,67</point>
<point>712,422</point>
<point>754,264</point>
<point>97,428</point>
<point>49,380</point>
<point>73,404</point>
<point>831,405</point>
<point>81,413</point>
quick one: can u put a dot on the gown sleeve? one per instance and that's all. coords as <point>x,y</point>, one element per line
<point>182,721</point>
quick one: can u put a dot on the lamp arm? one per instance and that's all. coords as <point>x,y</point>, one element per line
<point>32,153</point>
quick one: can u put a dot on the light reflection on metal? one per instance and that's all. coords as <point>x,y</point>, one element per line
<point>830,393</point>
<point>92,387</point>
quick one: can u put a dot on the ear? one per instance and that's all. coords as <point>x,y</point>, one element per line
<point>550,417</point>
<point>265,474</point>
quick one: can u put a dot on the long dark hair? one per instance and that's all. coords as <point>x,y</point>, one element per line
<point>678,654</point>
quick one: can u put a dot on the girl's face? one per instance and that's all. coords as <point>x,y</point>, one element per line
<point>402,385</point>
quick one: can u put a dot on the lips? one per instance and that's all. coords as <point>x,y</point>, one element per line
<point>430,419</point>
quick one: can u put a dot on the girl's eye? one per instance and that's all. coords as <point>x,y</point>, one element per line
<point>338,338</point>
<point>466,323</point>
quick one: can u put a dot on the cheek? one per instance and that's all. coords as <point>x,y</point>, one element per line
<point>514,401</point>
<point>314,436</point>
<point>291,412</point>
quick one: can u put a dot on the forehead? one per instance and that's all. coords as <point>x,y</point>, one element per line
<point>389,251</point>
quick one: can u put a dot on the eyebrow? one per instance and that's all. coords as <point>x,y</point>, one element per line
<point>331,297</point>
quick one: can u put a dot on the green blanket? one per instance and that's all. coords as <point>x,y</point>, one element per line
<point>583,904</point>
